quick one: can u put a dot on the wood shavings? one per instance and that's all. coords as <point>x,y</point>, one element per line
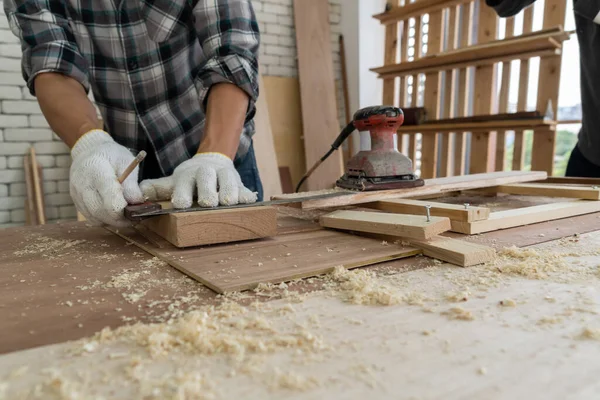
<point>48,247</point>
<point>361,287</point>
<point>458,297</point>
<point>507,303</point>
<point>482,371</point>
<point>549,320</point>
<point>292,381</point>
<point>590,333</point>
<point>459,313</point>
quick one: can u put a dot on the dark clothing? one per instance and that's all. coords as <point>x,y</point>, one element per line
<point>579,166</point>
<point>587,20</point>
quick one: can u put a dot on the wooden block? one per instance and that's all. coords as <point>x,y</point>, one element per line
<point>459,252</point>
<point>548,190</point>
<point>453,211</point>
<point>402,225</point>
<point>527,215</point>
<point>198,228</point>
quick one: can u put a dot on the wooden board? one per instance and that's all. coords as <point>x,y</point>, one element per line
<point>415,9</point>
<point>285,114</point>
<point>432,186</point>
<point>527,215</point>
<point>401,225</point>
<point>453,211</point>
<point>548,190</point>
<point>215,226</point>
<point>229,268</point>
<point>264,147</point>
<point>457,252</point>
<point>480,126</point>
<point>317,90</point>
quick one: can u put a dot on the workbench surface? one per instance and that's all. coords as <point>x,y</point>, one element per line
<point>525,326</point>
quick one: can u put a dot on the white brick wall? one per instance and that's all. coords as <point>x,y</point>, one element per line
<point>22,124</point>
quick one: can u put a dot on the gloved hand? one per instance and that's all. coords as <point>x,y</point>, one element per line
<point>98,161</point>
<point>212,174</point>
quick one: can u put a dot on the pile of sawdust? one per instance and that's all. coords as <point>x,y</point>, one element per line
<point>459,313</point>
<point>48,247</point>
<point>362,287</point>
<point>590,333</point>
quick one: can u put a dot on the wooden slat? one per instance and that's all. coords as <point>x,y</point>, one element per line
<point>480,126</point>
<point>503,107</point>
<point>390,53</point>
<point>349,152</point>
<point>549,82</point>
<point>460,147</point>
<point>458,252</point>
<point>482,150</point>
<point>414,9</point>
<point>431,98</point>
<point>432,186</point>
<point>400,225</point>
<point>519,142</point>
<point>573,180</point>
<point>264,147</point>
<point>412,144</point>
<point>548,190</point>
<point>197,228</point>
<point>527,215</point>
<point>31,217</point>
<point>317,89</point>
<point>418,207</point>
<point>446,165</point>
<point>485,53</point>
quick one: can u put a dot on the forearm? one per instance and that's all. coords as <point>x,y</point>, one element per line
<point>64,103</point>
<point>225,115</point>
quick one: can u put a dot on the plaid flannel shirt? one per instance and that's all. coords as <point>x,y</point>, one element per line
<point>149,64</point>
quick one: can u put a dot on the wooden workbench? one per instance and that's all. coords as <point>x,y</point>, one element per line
<point>67,282</point>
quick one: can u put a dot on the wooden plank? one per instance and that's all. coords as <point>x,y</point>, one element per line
<point>548,86</point>
<point>505,49</point>
<point>572,180</point>
<point>264,147</point>
<point>31,217</point>
<point>482,150</point>
<point>446,158</point>
<point>317,89</point>
<point>285,115</point>
<point>402,225</point>
<point>415,9</point>
<point>38,190</point>
<point>431,97</point>
<point>458,252</point>
<point>480,126</point>
<point>520,115</point>
<point>503,106</point>
<point>432,186</point>
<point>464,89</point>
<point>453,211</point>
<point>390,52</point>
<point>519,142</point>
<point>548,190</point>
<point>349,152</point>
<point>527,215</point>
<point>197,228</point>
<point>230,268</point>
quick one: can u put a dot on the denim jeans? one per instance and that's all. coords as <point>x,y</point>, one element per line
<point>248,170</point>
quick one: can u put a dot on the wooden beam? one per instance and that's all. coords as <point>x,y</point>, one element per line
<point>197,228</point>
<point>317,89</point>
<point>446,158</point>
<point>432,186</point>
<point>572,180</point>
<point>458,252</point>
<point>401,225</point>
<point>503,107</point>
<point>390,53</point>
<point>548,190</point>
<point>480,126</point>
<point>526,216</point>
<point>415,9</point>
<point>453,211</point>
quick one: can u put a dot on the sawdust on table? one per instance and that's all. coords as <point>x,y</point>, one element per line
<point>590,333</point>
<point>48,247</point>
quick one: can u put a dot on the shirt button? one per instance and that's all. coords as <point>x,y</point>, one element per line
<point>132,65</point>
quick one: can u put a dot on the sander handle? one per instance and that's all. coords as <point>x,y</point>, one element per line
<point>347,131</point>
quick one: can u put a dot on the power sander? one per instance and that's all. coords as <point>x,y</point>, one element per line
<point>382,167</point>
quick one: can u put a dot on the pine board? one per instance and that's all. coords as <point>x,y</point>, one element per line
<point>317,90</point>
<point>432,186</point>
<point>238,267</point>
<point>549,190</point>
<point>453,211</point>
<point>400,225</point>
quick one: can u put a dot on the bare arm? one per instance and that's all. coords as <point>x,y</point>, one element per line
<point>225,115</point>
<point>69,111</point>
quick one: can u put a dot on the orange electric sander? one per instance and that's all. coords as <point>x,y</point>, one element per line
<point>383,166</point>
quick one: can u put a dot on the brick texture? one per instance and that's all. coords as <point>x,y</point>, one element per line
<point>22,124</point>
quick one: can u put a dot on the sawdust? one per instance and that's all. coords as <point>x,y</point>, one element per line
<point>590,334</point>
<point>48,247</point>
<point>292,381</point>
<point>457,297</point>
<point>507,303</point>
<point>362,287</point>
<point>549,320</point>
<point>459,313</point>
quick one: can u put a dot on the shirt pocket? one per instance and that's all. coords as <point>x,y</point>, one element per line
<point>166,19</point>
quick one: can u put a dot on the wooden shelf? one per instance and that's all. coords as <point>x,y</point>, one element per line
<point>415,9</point>
<point>521,124</point>
<point>540,44</point>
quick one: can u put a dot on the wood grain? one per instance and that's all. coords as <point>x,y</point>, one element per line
<point>453,211</point>
<point>215,226</point>
<point>401,225</point>
<point>229,268</point>
<point>549,190</point>
<point>527,215</point>
<point>317,89</point>
<point>458,252</point>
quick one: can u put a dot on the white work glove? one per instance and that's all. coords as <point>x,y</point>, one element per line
<point>98,161</point>
<point>214,177</point>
